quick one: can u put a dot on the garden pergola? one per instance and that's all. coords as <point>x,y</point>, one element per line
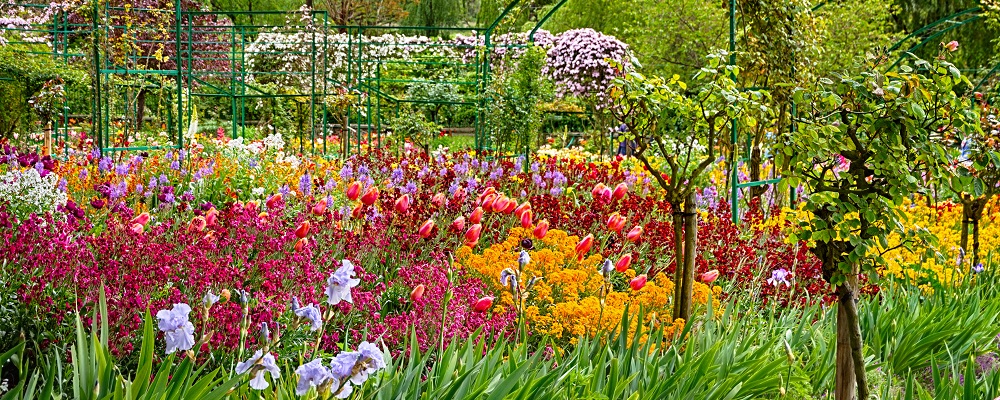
<point>338,75</point>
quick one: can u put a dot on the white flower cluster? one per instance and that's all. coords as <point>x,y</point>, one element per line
<point>274,142</point>
<point>27,192</point>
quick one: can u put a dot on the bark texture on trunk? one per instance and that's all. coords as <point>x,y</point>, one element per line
<point>849,331</point>
<point>678,260</point>
<point>690,251</point>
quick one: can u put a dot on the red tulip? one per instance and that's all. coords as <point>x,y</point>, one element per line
<point>620,191</point>
<point>596,191</point>
<point>635,234</point>
<point>458,224</point>
<point>584,246</point>
<point>710,276</point>
<point>273,201</point>
<point>616,222</point>
<point>140,219</point>
<point>526,219</point>
<point>426,229</point>
<point>638,282</point>
<point>490,190</point>
<point>353,191</point>
<point>511,206</point>
<point>438,200</point>
<point>319,208</point>
<point>488,200</point>
<point>370,196</point>
<point>358,211</point>
<point>472,235</point>
<point>483,304</point>
<point>541,229</point>
<point>402,204</point>
<point>476,216</point>
<point>197,224</point>
<point>417,293</point>
<point>300,244</point>
<point>136,229</point>
<point>302,230</point>
<point>623,263</point>
<point>522,208</point>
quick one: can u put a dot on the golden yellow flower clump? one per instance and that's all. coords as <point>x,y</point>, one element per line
<point>567,302</point>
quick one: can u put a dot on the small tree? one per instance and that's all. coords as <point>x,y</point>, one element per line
<point>976,173</point>
<point>684,128</point>
<point>868,143</point>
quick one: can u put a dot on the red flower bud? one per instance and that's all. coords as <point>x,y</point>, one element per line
<point>584,246</point>
<point>472,235</point>
<point>710,276</point>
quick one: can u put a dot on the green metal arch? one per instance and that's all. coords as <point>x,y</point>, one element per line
<point>974,13</point>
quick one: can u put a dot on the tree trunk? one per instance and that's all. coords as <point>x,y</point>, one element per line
<point>678,259</point>
<point>851,382</point>
<point>690,251</point>
<point>975,242</point>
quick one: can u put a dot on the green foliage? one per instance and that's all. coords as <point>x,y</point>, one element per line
<point>683,126</point>
<point>871,143</point>
<point>514,113</point>
<point>413,127</point>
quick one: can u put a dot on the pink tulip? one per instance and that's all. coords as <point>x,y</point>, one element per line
<point>710,276</point>
<point>211,216</point>
<point>952,45</point>
<point>483,304</point>
<point>616,222</point>
<point>458,224</point>
<point>476,216</point>
<point>472,235</point>
<point>136,229</point>
<point>596,191</point>
<point>438,200</point>
<point>635,234</point>
<point>319,208</point>
<point>638,282</point>
<point>140,219</point>
<point>526,219</point>
<point>426,229</point>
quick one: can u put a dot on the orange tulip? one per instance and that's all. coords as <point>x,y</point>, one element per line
<point>300,244</point>
<point>476,216</point>
<point>426,229</point>
<point>211,215</point>
<point>273,201</point>
<point>541,229</point>
<point>417,293</point>
<point>197,224</point>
